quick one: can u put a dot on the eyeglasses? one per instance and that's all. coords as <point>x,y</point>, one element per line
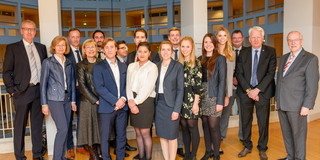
<point>29,29</point>
<point>293,40</point>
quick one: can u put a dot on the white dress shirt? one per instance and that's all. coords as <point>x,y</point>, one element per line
<point>75,54</point>
<point>162,74</point>
<point>141,80</point>
<point>63,69</point>
<point>116,74</point>
<point>36,57</point>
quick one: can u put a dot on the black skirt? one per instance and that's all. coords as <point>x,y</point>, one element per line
<point>144,118</point>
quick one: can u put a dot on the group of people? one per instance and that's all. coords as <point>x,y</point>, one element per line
<point>109,88</point>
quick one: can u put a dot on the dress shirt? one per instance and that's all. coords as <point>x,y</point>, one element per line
<point>36,57</point>
<point>253,52</point>
<point>102,55</point>
<point>75,54</point>
<point>141,80</point>
<point>173,54</point>
<point>239,49</point>
<point>63,69</point>
<point>295,56</point>
<point>116,74</point>
<point>121,60</point>
<point>162,74</point>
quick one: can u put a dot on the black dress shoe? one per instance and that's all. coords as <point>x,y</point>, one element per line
<point>130,148</point>
<point>285,158</point>
<point>39,158</point>
<point>221,152</point>
<point>180,152</point>
<point>137,157</point>
<point>125,154</point>
<point>112,143</point>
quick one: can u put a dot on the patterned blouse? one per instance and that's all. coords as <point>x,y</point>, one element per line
<point>192,86</point>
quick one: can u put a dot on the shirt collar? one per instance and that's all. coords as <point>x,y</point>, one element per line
<point>234,48</point>
<point>120,58</point>
<point>110,62</point>
<point>296,54</point>
<point>26,43</point>
<point>259,50</point>
<point>59,59</point>
<point>73,48</point>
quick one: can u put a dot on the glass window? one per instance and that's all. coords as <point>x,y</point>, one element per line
<point>276,41</point>
<point>110,19</point>
<point>240,24</point>
<point>135,19</point>
<point>177,16</point>
<point>8,15</point>
<point>85,19</point>
<point>235,9</point>
<point>249,22</point>
<point>31,14</point>
<point>215,13</point>
<point>273,4</point>
<point>254,6</point>
<point>215,27</point>
<point>66,19</point>
<point>273,18</point>
<point>158,17</point>
<point>261,20</point>
<point>231,26</point>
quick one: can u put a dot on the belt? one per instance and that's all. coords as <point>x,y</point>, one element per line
<point>31,84</point>
<point>65,91</point>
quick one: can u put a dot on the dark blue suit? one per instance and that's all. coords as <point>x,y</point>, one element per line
<point>106,87</point>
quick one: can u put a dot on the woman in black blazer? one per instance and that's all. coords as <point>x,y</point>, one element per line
<point>214,84</point>
<point>169,89</point>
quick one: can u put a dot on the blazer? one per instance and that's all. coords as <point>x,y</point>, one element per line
<point>71,57</point>
<point>172,85</point>
<point>154,57</point>
<point>217,83</point>
<point>52,86</point>
<point>16,67</point>
<point>299,86</point>
<point>265,72</point>
<point>105,85</point>
<point>85,80</point>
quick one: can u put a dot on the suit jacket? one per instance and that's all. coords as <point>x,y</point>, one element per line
<point>105,85</point>
<point>71,57</point>
<point>52,86</point>
<point>172,85</point>
<point>265,72</point>
<point>299,86</point>
<point>154,57</point>
<point>237,57</point>
<point>16,67</point>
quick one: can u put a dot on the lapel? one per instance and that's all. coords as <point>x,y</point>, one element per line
<point>263,56</point>
<point>158,79</point>
<point>295,62</point>
<point>109,70</point>
<point>39,51</point>
<point>281,65</point>
<point>249,61</point>
<point>23,53</point>
<point>120,74</point>
<point>171,64</point>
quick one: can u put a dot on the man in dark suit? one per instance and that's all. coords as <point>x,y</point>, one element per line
<point>21,76</point>
<point>109,77</point>
<point>237,43</point>
<point>74,56</point>
<point>256,67</point>
<point>122,51</point>
<point>297,88</point>
<point>98,37</point>
<point>140,35</point>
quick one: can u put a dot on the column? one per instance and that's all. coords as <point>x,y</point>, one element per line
<point>170,14</point>
<point>123,22</point>
<point>194,21</point>
<point>308,23</point>
<point>50,26</point>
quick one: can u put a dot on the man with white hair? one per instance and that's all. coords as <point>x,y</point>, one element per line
<point>255,72</point>
<point>297,88</point>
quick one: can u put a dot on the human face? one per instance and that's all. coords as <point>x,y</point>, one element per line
<point>74,38</point>
<point>294,42</point>
<point>166,52</point>
<point>237,40</point>
<point>140,37</point>
<point>28,31</point>
<point>90,50</point>
<point>174,37</point>
<point>143,54</point>
<point>186,48</point>
<point>222,37</point>
<point>122,51</point>
<point>110,50</point>
<point>256,39</point>
<point>98,38</point>
<point>60,48</point>
<point>208,45</point>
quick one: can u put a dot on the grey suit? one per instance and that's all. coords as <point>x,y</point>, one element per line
<point>297,88</point>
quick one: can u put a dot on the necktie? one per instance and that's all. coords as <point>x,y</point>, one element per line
<point>285,68</point>
<point>175,54</point>
<point>78,55</point>
<point>254,71</point>
<point>237,52</point>
<point>33,65</point>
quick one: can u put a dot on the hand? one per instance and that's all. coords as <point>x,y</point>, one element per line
<point>12,94</point>
<point>226,101</point>
<point>219,108</point>
<point>253,93</point>
<point>174,116</point>
<point>97,102</point>
<point>131,103</point>
<point>73,107</point>
<point>256,98</point>
<point>235,81</point>
<point>275,106</point>
<point>45,110</point>
<point>134,110</point>
<point>195,108</point>
<point>120,104</point>
<point>304,111</point>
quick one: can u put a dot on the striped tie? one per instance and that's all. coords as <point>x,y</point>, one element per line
<point>33,65</point>
<point>288,63</point>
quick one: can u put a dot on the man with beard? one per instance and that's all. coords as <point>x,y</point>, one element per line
<point>98,37</point>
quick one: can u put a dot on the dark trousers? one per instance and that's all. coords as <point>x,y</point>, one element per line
<point>60,112</point>
<point>294,133</point>
<point>262,112</point>
<point>70,143</point>
<point>107,121</point>
<point>28,101</point>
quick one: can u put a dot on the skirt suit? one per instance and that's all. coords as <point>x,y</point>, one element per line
<point>169,89</point>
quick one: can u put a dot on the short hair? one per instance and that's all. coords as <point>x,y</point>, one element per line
<point>73,29</point>
<point>144,44</point>
<point>175,29</point>
<point>28,21</point>
<point>301,36</point>
<point>121,42</point>
<point>55,41</point>
<point>87,42</point>
<point>104,43</point>
<point>97,31</point>
<point>256,28</point>
<point>237,31</point>
<point>141,30</point>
